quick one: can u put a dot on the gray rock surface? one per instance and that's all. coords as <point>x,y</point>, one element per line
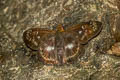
<point>17,62</point>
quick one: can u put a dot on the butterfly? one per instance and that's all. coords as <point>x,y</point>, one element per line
<point>61,45</point>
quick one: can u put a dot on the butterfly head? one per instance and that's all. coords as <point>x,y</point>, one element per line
<point>60,28</point>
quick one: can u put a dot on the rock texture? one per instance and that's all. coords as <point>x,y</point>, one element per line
<point>17,62</point>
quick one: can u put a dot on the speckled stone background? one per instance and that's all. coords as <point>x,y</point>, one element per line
<point>17,62</point>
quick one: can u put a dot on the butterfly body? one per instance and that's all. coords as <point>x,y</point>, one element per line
<point>61,46</point>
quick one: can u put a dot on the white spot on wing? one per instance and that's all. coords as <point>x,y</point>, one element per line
<point>69,46</point>
<point>35,43</point>
<point>38,37</point>
<point>49,48</point>
<point>80,32</point>
<point>37,33</point>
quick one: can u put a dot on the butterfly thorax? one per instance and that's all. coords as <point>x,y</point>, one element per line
<point>60,47</point>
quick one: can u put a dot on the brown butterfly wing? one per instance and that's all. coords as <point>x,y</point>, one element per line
<point>34,37</point>
<point>72,47</point>
<point>85,31</point>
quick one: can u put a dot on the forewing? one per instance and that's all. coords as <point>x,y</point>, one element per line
<point>34,37</point>
<point>85,31</point>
